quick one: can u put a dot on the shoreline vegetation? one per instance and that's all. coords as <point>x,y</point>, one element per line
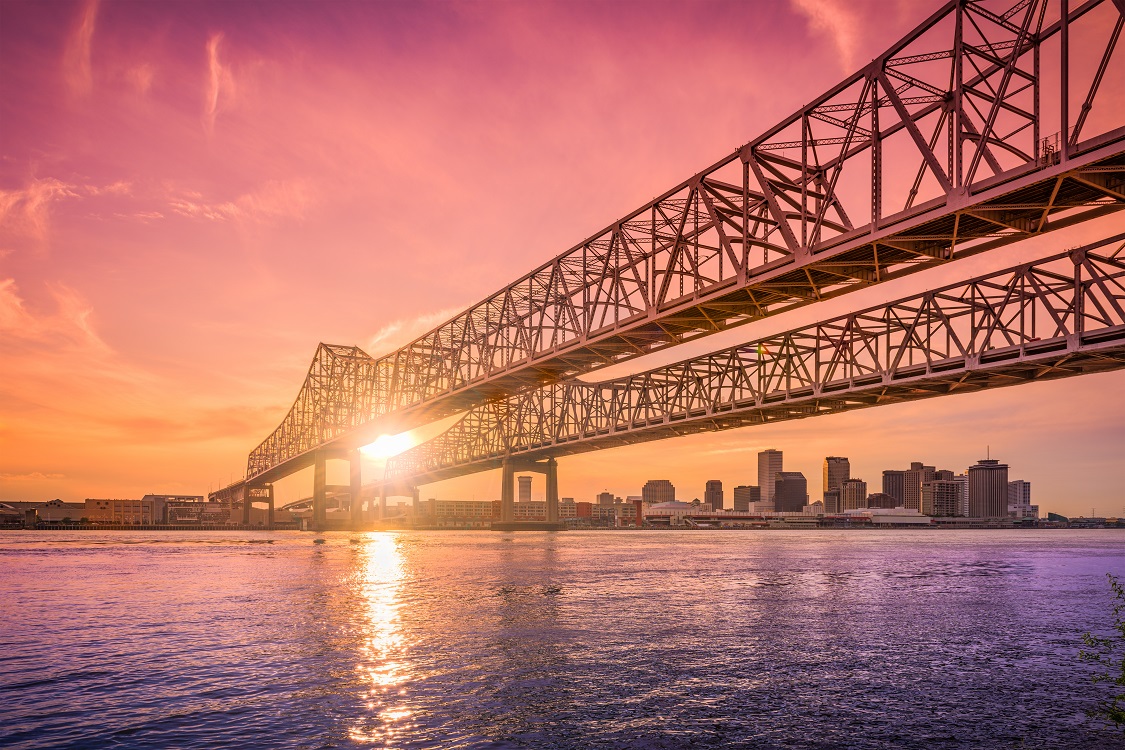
<point>1108,655</point>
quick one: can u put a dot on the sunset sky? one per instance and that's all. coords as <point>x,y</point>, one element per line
<point>194,194</point>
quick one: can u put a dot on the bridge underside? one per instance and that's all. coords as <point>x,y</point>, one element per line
<point>1049,365</point>
<point>1057,317</point>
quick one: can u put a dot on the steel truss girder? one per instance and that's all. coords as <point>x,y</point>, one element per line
<point>1060,316</point>
<point>770,226</point>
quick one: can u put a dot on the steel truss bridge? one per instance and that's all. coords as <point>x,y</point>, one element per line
<point>1057,317</point>
<point>983,126</point>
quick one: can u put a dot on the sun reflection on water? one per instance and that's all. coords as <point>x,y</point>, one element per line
<point>383,667</point>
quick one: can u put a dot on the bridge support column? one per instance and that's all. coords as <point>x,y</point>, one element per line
<point>382,512</point>
<point>269,519</point>
<point>414,501</point>
<point>552,491</point>
<point>320,500</point>
<point>246,502</point>
<point>507,493</point>
<point>355,463</point>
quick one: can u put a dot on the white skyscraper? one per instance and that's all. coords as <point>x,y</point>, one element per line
<point>769,466</point>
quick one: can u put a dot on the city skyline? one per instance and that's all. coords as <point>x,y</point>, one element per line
<point>158,223</point>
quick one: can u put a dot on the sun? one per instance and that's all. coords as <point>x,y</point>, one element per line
<point>386,446</point>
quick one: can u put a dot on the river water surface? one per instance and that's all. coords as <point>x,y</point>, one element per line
<point>634,639</point>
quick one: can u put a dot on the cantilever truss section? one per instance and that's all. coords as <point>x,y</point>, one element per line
<point>1060,316</point>
<point>960,136</point>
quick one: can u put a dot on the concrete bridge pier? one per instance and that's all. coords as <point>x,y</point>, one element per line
<point>246,502</point>
<point>262,494</point>
<point>507,493</point>
<point>552,490</point>
<point>320,499</point>
<point>269,519</point>
<point>355,464</point>
<point>550,467</point>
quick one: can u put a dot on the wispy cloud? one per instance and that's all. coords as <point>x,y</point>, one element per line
<point>403,331</point>
<point>31,476</point>
<point>26,212</point>
<point>68,327</point>
<point>77,64</point>
<point>220,83</point>
<point>838,20</point>
<point>274,199</point>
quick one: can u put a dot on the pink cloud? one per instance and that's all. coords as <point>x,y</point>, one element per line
<point>220,84</point>
<point>76,62</point>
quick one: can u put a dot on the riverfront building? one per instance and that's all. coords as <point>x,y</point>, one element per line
<point>894,485</point>
<point>713,494</point>
<point>1019,500</point>
<point>837,470</point>
<point>941,497</point>
<point>120,511</point>
<point>882,500</point>
<point>524,489</point>
<point>745,495</point>
<point>769,467</point>
<point>988,489</point>
<point>791,492</point>
<point>853,494</point>
<point>657,491</point>
<point>914,478</point>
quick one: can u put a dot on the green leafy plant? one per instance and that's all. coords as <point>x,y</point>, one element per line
<point>1109,656</point>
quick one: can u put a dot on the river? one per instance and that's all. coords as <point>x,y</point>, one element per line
<point>626,639</point>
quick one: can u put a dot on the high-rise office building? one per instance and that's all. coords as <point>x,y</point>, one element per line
<point>744,495</point>
<point>894,485</point>
<point>837,469</point>
<point>713,494</point>
<point>916,476</point>
<point>769,466</point>
<point>605,498</point>
<point>525,489</point>
<point>988,489</point>
<point>791,492</point>
<point>832,501</point>
<point>853,494</point>
<point>944,475</point>
<point>658,491</point>
<point>941,497</point>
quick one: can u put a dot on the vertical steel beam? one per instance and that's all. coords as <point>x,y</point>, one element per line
<point>1064,95</point>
